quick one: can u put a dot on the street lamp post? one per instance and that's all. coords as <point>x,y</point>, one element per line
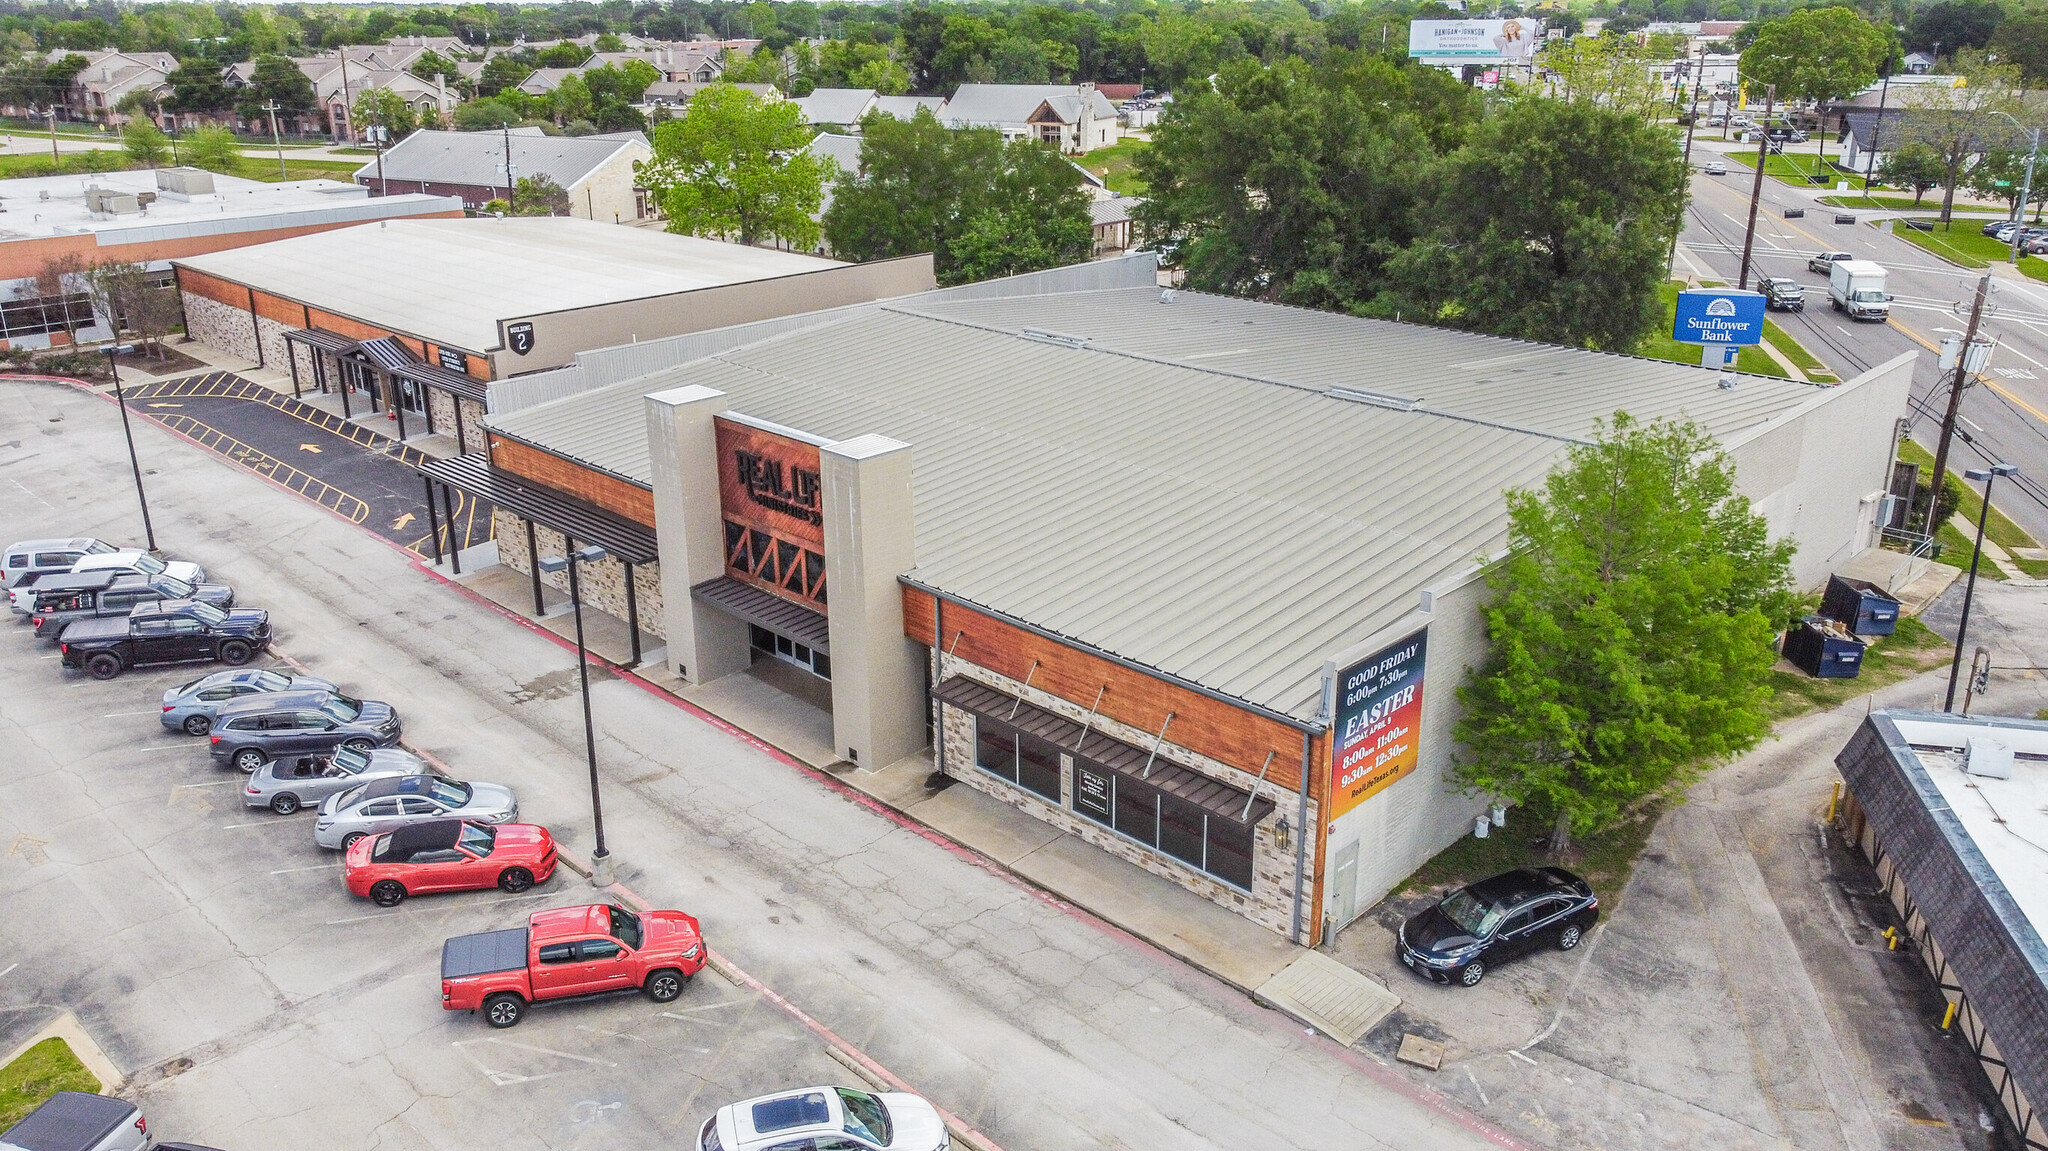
<point>1986,476</point>
<point>121,401</point>
<point>2026,185</point>
<point>600,859</point>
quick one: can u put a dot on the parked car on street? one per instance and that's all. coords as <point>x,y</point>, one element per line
<point>76,1121</point>
<point>1822,261</point>
<point>167,631</point>
<point>566,952</point>
<point>841,1118</point>
<point>26,561</point>
<point>137,560</point>
<point>1475,928</point>
<point>64,599</point>
<point>448,855</point>
<point>190,707</point>
<point>2034,245</point>
<point>251,731</point>
<point>1784,295</point>
<point>288,783</point>
<point>383,805</point>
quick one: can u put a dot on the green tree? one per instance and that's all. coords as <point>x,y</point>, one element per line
<point>1912,165</point>
<point>572,100</point>
<point>1631,631</point>
<point>539,196</point>
<point>1956,122</point>
<point>1180,47</point>
<point>1954,24</point>
<point>212,147</point>
<point>1817,54</point>
<point>735,165</point>
<point>885,76</point>
<point>196,86</point>
<point>145,143</point>
<point>1617,71</point>
<point>2022,41</point>
<point>1032,214</point>
<point>501,73</point>
<point>277,79</point>
<point>383,108</point>
<point>492,112</point>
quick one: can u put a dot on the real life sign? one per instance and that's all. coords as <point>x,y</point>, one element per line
<point>1378,722</point>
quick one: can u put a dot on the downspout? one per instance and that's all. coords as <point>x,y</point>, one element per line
<point>938,670</point>
<point>1301,837</point>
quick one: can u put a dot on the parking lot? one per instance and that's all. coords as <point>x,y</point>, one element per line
<point>210,950</point>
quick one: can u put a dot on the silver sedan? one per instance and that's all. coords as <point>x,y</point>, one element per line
<point>290,783</point>
<point>190,707</point>
<point>383,804</point>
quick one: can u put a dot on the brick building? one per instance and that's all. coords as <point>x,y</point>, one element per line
<point>1164,570</point>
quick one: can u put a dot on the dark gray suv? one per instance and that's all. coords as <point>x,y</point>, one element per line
<point>249,732</point>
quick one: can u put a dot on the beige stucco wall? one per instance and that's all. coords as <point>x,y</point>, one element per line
<point>606,194</point>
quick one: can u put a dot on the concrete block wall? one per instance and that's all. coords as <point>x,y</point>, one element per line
<point>603,583</point>
<point>1270,903</point>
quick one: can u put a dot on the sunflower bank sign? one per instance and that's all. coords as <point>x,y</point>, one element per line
<point>1716,316</point>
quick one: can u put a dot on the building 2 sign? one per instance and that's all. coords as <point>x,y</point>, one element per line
<point>1717,316</point>
<point>1378,722</point>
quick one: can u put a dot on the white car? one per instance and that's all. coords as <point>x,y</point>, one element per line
<point>135,560</point>
<point>826,1119</point>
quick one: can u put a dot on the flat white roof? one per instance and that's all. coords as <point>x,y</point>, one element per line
<point>26,213</point>
<point>453,281</point>
<point>2007,819</point>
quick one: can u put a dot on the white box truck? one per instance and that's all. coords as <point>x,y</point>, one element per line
<point>1857,287</point>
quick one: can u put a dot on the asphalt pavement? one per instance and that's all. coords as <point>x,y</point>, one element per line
<point>2007,415</point>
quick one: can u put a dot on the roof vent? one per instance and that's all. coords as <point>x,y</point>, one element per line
<point>1376,399</point>
<point>1060,338</point>
<point>1166,296</point>
<point>1988,758</point>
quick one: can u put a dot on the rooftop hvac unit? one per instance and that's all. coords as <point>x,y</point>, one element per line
<point>1988,758</point>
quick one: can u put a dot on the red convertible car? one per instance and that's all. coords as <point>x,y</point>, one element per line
<point>449,855</point>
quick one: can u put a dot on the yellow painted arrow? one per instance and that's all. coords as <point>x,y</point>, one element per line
<point>310,448</point>
<point>401,521</point>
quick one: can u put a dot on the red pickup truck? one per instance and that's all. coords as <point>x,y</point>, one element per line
<point>568,952</point>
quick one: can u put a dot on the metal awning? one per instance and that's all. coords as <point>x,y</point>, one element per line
<point>333,343</point>
<point>387,352</point>
<point>583,522</point>
<point>436,376</point>
<point>757,606</point>
<point>1217,799</point>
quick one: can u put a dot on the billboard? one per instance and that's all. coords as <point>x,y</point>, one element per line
<point>1718,316</point>
<point>1473,41</point>
<point>1376,737</point>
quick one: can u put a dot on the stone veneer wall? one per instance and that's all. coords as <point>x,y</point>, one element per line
<point>1270,903</point>
<point>226,328</point>
<point>442,405</point>
<point>603,583</point>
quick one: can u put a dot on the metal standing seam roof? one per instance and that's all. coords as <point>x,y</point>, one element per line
<point>478,158</point>
<point>1223,516</point>
<point>453,281</point>
<point>982,105</point>
<point>835,105</point>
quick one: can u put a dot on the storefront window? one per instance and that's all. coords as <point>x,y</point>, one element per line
<point>1018,757</point>
<point>1199,838</point>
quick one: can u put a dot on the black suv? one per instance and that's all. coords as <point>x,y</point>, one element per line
<point>1476,927</point>
<point>167,631</point>
<point>61,601</point>
<point>251,731</point>
<point>1781,294</point>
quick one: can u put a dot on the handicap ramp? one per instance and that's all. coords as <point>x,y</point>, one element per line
<point>1328,996</point>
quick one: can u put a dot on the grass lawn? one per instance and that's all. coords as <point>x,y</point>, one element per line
<point>253,165</point>
<point>1964,242</point>
<point>1659,345</point>
<point>1907,652</point>
<point>1119,166</point>
<point>1795,168</point>
<point>1998,529</point>
<point>1793,350</point>
<point>42,1071</point>
<point>1903,203</point>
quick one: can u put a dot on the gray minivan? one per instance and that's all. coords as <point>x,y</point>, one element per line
<point>75,1121</point>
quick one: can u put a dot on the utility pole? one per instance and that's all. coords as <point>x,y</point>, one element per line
<point>51,112</point>
<point>1877,129</point>
<point>377,136</point>
<point>2026,193</point>
<point>1690,123</point>
<point>348,110</point>
<point>270,106</point>
<point>508,166</point>
<point>1756,189</point>
<point>1955,401</point>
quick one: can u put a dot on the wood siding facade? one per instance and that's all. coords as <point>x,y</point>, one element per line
<point>608,492</point>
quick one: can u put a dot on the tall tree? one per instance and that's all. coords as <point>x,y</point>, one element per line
<point>1912,165</point>
<point>735,165</point>
<point>1959,122</point>
<point>1616,71</point>
<point>383,108</point>
<point>1553,222</point>
<point>212,147</point>
<point>1631,630</point>
<point>145,143</point>
<point>1817,54</point>
<point>196,86</point>
<point>275,79</point>
<point>1954,25</point>
<point>1033,214</point>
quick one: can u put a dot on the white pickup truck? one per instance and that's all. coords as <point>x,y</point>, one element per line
<point>1857,287</point>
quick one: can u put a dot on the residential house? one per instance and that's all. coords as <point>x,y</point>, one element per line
<point>108,77</point>
<point>1077,118</point>
<point>1919,63</point>
<point>671,96</point>
<point>1111,219</point>
<point>836,107</point>
<point>596,171</point>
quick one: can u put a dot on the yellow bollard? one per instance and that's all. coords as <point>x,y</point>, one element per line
<point>1891,938</point>
<point>1950,1017</point>
<point>1833,800</point>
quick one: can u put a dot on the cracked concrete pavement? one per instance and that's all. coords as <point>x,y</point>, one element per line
<point>211,952</point>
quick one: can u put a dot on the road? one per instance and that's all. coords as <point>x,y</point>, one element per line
<point>255,1005</point>
<point>2008,416</point>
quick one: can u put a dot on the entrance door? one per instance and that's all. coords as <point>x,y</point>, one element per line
<point>412,396</point>
<point>1344,883</point>
<point>360,379</point>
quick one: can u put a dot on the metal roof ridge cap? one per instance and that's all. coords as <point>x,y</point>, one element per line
<point>784,430</point>
<point>1307,727</point>
<point>1506,427</point>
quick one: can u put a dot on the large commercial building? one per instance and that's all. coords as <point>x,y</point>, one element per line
<point>1953,814</point>
<point>423,315</point>
<point>1165,570</point>
<point>151,218</point>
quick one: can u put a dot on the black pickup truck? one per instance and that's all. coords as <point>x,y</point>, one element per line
<point>64,600</point>
<point>167,631</point>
